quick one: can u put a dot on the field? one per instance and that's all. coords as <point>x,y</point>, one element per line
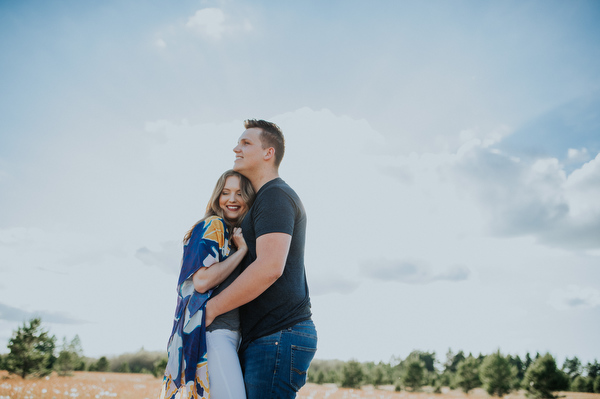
<point>144,386</point>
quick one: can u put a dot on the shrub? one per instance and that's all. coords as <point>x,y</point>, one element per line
<point>124,368</point>
<point>326,371</point>
<point>159,367</point>
<point>581,384</point>
<point>139,362</point>
<point>320,378</point>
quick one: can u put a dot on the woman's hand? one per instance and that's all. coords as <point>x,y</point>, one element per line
<point>238,239</point>
<point>209,277</point>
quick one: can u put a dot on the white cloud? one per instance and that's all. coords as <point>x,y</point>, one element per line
<point>16,235</point>
<point>533,198</point>
<point>575,297</point>
<point>10,313</point>
<point>583,190</point>
<point>213,23</point>
<point>485,138</point>
<point>410,272</point>
<point>167,258</point>
<point>209,21</point>
<point>329,284</point>
<point>574,155</point>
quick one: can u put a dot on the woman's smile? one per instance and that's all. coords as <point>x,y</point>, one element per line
<point>231,201</point>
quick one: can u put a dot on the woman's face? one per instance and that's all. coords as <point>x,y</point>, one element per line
<point>231,201</point>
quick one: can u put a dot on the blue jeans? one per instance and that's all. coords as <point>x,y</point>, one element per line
<point>275,366</point>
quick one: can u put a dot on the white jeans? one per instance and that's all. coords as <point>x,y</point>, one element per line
<point>224,370</point>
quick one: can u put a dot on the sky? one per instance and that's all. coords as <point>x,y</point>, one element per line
<point>447,154</point>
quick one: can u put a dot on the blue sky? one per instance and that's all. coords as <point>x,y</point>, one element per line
<point>446,152</point>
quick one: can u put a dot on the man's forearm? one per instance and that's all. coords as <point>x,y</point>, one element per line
<point>246,287</point>
<point>272,250</point>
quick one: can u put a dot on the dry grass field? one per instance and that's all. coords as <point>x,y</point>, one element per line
<point>144,386</point>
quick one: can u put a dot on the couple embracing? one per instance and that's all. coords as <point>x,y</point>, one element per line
<point>243,325</point>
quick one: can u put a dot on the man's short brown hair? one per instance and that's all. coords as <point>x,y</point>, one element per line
<point>271,136</point>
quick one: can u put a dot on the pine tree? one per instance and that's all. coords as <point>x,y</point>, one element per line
<point>572,367</point>
<point>467,374</point>
<point>377,375</point>
<point>102,364</point>
<point>519,365</point>
<point>352,375</point>
<point>593,369</point>
<point>413,375</point>
<point>543,377</point>
<point>497,375</point>
<point>77,350</point>
<point>452,360</point>
<point>65,363</point>
<point>527,362</point>
<point>31,350</point>
<point>70,357</point>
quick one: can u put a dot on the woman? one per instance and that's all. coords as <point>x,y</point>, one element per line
<point>195,354</point>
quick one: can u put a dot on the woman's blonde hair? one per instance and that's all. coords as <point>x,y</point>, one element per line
<point>213,208</point>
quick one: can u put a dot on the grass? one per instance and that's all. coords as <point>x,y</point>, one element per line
<point>81,385</point>
<point>145,386</point>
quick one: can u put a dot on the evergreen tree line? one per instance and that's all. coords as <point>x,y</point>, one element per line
<point>498,374</point>
<point>33,352</point>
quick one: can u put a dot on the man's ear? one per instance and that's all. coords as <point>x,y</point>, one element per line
<point>269,154</point>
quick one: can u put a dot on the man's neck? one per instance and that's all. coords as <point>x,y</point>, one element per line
<point>263,178</point>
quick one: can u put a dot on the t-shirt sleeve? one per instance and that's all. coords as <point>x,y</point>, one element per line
<point>274,213</point>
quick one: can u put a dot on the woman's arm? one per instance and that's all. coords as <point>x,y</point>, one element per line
<point>209,277</point>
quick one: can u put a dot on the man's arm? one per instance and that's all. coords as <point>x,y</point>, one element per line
<point>271,253</point>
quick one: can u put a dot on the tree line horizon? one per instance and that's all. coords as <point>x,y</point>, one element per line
<point>33,353</point>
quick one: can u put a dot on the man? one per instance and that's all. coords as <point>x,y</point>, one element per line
<point>279,338</point>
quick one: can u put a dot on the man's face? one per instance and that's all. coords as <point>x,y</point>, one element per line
<point>248,152</point>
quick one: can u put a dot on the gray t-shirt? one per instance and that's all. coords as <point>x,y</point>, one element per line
<point>231,319</point>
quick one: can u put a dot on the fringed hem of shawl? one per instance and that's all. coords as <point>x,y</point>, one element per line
<point>198,389</point>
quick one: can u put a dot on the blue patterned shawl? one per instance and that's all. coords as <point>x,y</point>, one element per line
<point>186,375</point>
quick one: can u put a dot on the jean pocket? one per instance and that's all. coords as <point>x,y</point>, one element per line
<point>301,358</point>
